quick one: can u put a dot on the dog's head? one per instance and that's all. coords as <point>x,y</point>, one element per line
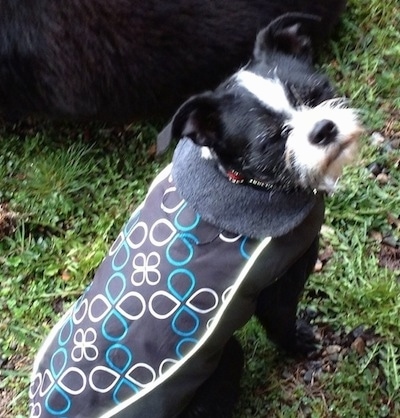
<point>275,122</point>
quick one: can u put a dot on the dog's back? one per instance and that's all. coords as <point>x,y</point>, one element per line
<point>123,59</point>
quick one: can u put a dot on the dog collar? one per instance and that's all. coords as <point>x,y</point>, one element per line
<point>252,211</point>
<point>238,178</point>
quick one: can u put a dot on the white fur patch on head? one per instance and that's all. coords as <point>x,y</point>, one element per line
<point>315,165</point>
<point>269,91</point>
<point>320,165</point>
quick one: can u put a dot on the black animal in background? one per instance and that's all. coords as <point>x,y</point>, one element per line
<point>122,60</point>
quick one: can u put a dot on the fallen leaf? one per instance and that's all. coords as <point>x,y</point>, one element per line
<point>358,345</point>
<point>65,275</point>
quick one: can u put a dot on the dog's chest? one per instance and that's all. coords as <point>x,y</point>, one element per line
<point>164,280</point>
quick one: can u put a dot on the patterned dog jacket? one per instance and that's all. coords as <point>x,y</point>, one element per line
<point>175,285</point>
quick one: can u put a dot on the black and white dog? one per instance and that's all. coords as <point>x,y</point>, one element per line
<point>119,60</point>
<point>228,230</point>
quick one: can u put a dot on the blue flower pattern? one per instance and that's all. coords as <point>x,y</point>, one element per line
<point>132,289</point>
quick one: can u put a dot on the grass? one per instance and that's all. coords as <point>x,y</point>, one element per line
<point>72,186</point>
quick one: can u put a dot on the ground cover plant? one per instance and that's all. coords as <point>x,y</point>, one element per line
<point>65,190</point>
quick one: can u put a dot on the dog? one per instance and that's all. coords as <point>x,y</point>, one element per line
<point>228,230</point>
<point>124,60</point>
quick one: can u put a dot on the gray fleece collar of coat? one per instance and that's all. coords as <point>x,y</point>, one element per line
<point>240,209</point>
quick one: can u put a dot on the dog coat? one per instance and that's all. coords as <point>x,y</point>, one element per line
<point>175,285</point>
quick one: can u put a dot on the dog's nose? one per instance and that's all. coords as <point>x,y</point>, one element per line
<point>324,132</point>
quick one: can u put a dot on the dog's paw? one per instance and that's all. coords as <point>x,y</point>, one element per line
<point>301,342</point>
<point>306,342</point>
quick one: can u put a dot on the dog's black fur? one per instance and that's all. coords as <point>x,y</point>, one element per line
<point>119,60</point>
<point>247,136</point>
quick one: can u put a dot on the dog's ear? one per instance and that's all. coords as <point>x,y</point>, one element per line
<point>291,34</point>
<point>199,119</point>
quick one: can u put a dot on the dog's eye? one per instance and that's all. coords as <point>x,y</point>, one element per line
<point>310,94</point>
<point>273,138</point>
<point>294,96</point>
<point>280,134</point>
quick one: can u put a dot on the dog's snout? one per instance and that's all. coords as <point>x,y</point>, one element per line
<point>324,132</point>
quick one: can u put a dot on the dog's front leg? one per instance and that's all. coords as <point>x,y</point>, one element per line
<point>217,396</point>
<point>277,306</point>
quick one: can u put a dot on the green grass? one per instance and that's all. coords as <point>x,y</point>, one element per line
<point>72,187</point>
